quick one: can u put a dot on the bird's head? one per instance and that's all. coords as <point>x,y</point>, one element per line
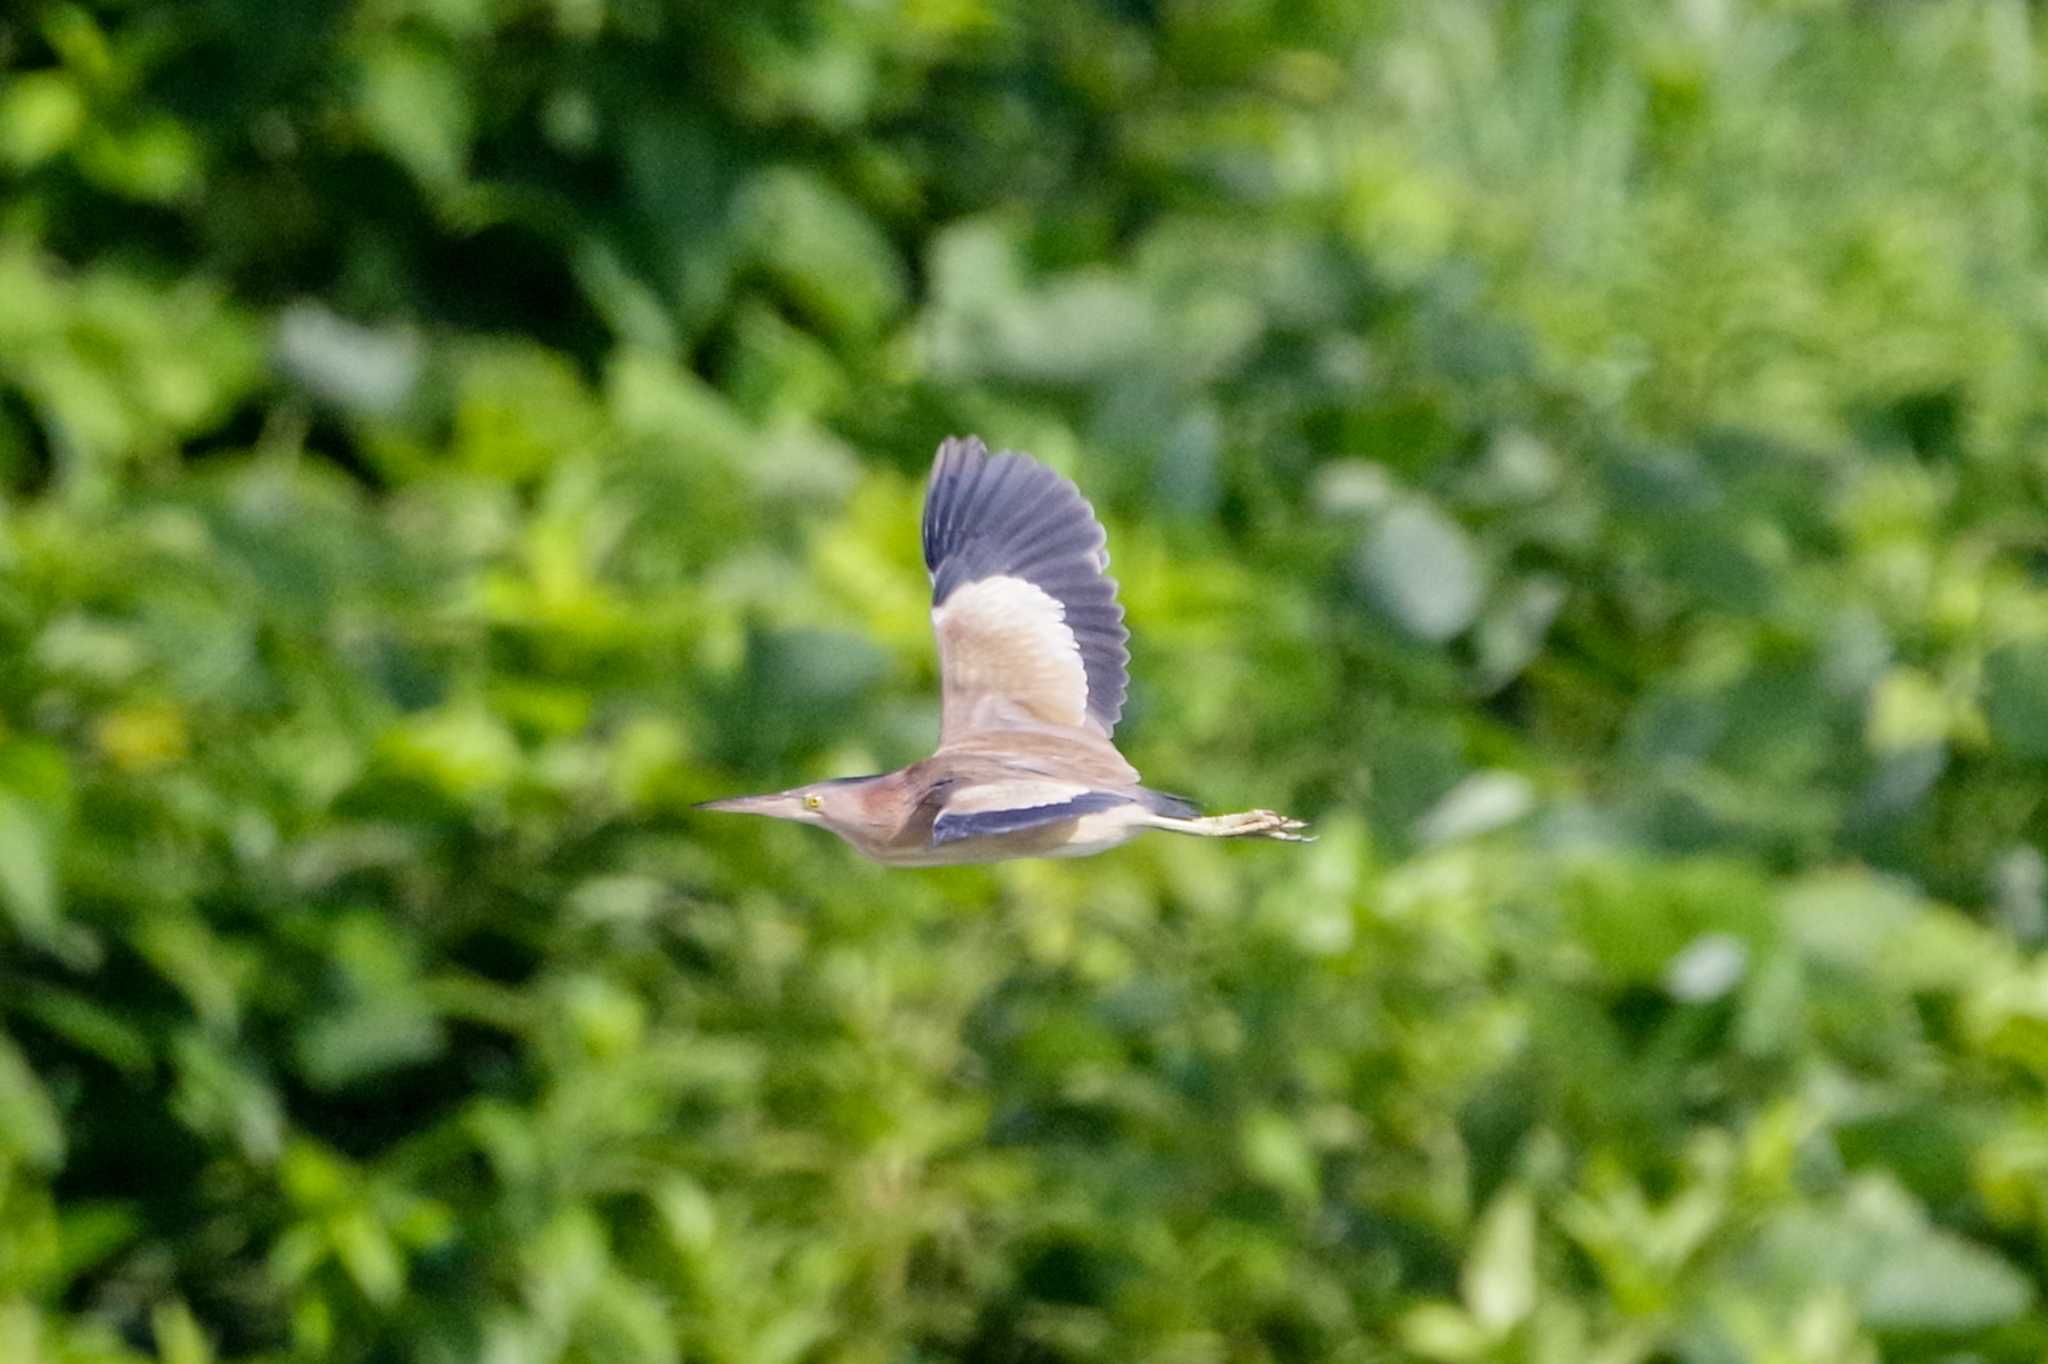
<point>838,804</point>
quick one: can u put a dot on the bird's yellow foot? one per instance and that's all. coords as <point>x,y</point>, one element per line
<point>1256,824</point>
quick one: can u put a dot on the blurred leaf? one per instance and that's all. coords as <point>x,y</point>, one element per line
<point>1275,1154</point>
<point>519,410</point>
<point>28,878</point>
<point>1709,967</point>
<point>31,1130</point>
<point>822,249</point>
<point>179,1339</point>
<point>36,802</point>
<point>1419,568</point>
<point>371,369</point>
<point>366,1252</point>
<point>2016,699</point>
<point>1477,805</point>
<point>1909,1277</point>
<point>416,105</point>
<point>41,113</point>
<point>156,160</point>
<point>464,752</point>
<point>1499,1280</point>
<point>89,1026</point>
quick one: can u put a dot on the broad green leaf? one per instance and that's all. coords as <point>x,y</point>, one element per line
<point>31,1128</point>
<point>1275,1153</point>
<point>416,104</point>
<point>28,870</point>
<point>41,113</point>
<point>179,1337</point>
<point>2016,697</point>
<point>1499,1278</point>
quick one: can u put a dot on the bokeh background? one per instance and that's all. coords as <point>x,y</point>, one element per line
<point>1589,455</point>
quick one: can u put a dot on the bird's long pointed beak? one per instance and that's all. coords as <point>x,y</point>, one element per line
<point>778,805</point>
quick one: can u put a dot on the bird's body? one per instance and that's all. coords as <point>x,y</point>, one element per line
<point>1032,662</point>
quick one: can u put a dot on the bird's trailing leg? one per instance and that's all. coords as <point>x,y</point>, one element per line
<point>1244,824</point>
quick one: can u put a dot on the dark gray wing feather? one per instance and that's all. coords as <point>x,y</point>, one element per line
<point>1007,515</point>
<point>1160,803</point>
<point>954,825</point>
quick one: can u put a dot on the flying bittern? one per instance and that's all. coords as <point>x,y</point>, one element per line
<point>1032,671</point>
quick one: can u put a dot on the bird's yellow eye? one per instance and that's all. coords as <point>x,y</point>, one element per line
<point>814,802</point>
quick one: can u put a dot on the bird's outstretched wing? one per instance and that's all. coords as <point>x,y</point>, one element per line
<point>1029,629</point>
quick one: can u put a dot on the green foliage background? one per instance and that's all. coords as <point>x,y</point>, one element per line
<point>1587,454</point>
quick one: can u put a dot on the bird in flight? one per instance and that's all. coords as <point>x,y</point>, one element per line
<point>1032,674</point>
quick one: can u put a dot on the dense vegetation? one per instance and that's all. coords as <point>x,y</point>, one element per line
<point>1586,454</point>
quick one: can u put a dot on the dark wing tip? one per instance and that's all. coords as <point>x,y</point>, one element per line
<point>958,448</point>
<point>955,470</point>
<point>1010,513</point>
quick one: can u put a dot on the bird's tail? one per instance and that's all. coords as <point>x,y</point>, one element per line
<point>1173,807</point>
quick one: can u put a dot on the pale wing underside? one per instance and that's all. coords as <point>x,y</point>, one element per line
<point>1028,626</point>
<point>1007,657</point>
<point>1010,795</point>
